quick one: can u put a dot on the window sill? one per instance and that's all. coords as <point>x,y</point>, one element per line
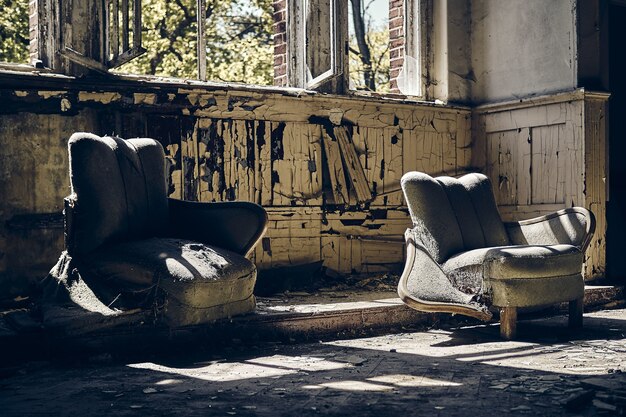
<point>23,76</point>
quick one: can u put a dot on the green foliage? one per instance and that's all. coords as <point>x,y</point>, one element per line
<point>238,38</point>
<point>369,59</point>
<point>378,42</point>
<point>14,31</point>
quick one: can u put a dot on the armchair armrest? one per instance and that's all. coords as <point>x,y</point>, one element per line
<point>424,286</point>
<point>232,225</point>
<point>574,226</point>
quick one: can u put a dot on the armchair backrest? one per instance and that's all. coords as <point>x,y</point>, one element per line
<point>118,190</point>
<point>453,215</point>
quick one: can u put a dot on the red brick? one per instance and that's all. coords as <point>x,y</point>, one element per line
<point>280,49</point>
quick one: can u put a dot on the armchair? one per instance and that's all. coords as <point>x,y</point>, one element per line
<point>129,247</point>
<point>461,257</point>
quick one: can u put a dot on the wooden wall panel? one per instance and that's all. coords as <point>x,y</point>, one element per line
<point>546,154</point>
<point>272,148</point>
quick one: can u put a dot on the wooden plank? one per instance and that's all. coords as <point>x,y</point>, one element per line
<point>115,29</point>
<point>201,38</point>
<point>523,212</point>
<point>313,167</point>
<point>265,163</point>
<point>394,166</point>
<point>463,142</point>
<point>125,25</point>
<point>355,172</point>
<point>595,185</point>
<point>339,189</point>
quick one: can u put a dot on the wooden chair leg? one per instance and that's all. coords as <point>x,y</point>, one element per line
<point>508,322</point>
<point>576,313</point>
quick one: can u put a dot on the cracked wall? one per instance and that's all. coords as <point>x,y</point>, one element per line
<point>326,168</point>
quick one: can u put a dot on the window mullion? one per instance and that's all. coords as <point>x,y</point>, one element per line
<point>201,41</point>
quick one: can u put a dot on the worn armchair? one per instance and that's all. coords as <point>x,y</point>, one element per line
<point>129,247</point>
<point>461,257</point>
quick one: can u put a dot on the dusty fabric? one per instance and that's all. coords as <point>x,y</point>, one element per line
<point>434,222</point>
<point>119,190</point>
<point>474,271</point>
<point>565,227</point>
<point>481,194</point>
<point>194,274</point>
<point>428,282</point>
<point>528,292</point>
<point>466,216</point>
<point>119,260</point>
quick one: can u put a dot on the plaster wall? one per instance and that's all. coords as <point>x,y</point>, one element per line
<point>522,48</point>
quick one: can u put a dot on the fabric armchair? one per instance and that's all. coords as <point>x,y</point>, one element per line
<point>129,247</point>
<point>461,257</point>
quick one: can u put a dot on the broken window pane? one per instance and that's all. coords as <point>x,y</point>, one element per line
<point>369,29</point>
<point>14,37</point>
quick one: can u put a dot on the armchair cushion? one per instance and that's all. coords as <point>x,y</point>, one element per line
<point>474,271</point>
<point>118,189</point>
<point>436,226</point>
<point>194,274</point>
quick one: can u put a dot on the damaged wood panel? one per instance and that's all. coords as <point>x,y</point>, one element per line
<point>356,175</point>
<point>596,181</point>
<point>339,191</point>
<point>296,165</point>
<point>567,164</point>
<point>548,164</point>
<point>509,156</point>
<point>271,148</point>
<point>348,242</point>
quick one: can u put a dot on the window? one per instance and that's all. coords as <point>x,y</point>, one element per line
<point>14,36</point>
<point>229,41</point>
<point>370,46</point>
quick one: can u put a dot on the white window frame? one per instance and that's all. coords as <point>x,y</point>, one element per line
<point>335,78</point>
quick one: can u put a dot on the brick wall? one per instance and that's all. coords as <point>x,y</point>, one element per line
<point>280,43</point>
<point>396,42</point>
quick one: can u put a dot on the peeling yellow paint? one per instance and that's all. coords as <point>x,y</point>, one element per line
<point>65,105</point>
<point>104,98</point>
<point>141,98</point>
<point>49,94</point>
<point>171,97</point>
<point>21,93</point>
<point>201,100</point>
<point>335,116</point>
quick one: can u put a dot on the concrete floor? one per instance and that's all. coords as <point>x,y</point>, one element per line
<point>438,372</point>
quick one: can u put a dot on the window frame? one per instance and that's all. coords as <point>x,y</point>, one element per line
<point>49,38</point>
<point>335,78</point>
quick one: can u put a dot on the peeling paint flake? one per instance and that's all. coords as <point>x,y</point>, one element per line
<point>65,105</point>
<point>104,98</point>
<point>50,94</point>
<point>141,98</point>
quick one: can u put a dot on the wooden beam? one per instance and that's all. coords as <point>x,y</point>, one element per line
<point>339,187</point>
<point>353,166</point>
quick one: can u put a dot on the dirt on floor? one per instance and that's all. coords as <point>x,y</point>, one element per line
<point>466,371</point>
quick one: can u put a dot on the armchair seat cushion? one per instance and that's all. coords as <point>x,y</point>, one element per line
<point>489,270</point>
<point>189,274</point>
